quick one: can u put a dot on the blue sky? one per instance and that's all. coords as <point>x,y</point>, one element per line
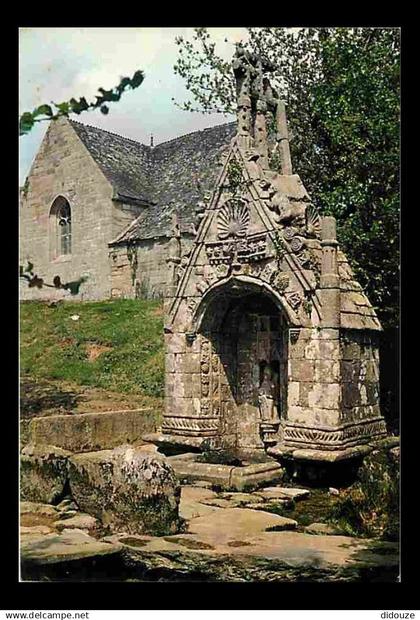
<point>59,63</point>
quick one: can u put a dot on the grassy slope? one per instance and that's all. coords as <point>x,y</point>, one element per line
<point>114,345</point>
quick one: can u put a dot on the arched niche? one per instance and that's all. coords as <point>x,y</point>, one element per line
<point>60,228</point>
<point>216,299</point>
<point>244,326</point>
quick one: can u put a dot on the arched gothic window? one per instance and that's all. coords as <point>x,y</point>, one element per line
<point>60,216</point>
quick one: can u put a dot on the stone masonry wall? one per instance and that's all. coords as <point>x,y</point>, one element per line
<point>359,375</point>
<point>313,378</point>
<point>151,273</point>
<point>64,167</point>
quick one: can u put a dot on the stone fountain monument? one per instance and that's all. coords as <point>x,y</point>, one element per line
<point>271,344</point>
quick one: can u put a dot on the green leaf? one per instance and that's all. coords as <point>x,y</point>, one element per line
<point>43,109</point>
<point>26,122</point>
<point>137,79</point>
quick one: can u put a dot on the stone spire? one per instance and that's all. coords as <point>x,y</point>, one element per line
<point>255,98</point>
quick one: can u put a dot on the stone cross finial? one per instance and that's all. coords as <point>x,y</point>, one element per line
<point>256,97</point>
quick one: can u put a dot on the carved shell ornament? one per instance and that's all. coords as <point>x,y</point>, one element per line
<point>313,221</point>
<point>233,219</point>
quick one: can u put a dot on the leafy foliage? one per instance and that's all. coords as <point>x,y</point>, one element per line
<point>34,281</point>
<point>77,106</point>
<point>341,86</point>
<point>370,507</point>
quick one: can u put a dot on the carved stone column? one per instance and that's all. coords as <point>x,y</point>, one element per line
<point>283,139</point>
<point>329,281</point>
<point>260,133</point>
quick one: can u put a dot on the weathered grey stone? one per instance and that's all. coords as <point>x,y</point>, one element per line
<point>87,432</point>
<point>79,521</point>
<point>43,473</point>
<point>34,530</point>
<point>323,529</point>
<point>285,492</point>
<point>69,545</point>
<point>233,523</point>
<point>126,488</point>
<point>196,502</point>
<point>284,556</point>
<point>38,508</point>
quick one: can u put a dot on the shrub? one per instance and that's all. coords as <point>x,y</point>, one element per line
<point>370,507</point>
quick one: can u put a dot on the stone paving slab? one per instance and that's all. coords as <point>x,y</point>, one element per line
<point>79,521</point>
<point>288,547</point>
<point>236,523</point>
<point>69,545</point>
<point>38,508</point>
<point>191,503</point>
<point>241,498</point>
<point>284,493</point>
<point>323,529</point>
<point>234,539</point>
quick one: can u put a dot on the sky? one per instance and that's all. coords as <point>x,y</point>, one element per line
<point>56,64</point>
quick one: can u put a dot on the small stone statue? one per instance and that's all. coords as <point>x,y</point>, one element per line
<point>267,397</point>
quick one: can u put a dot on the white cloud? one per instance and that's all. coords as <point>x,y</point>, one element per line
<point>59,63</point>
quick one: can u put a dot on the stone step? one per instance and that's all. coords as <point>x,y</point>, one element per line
<point>227,476</point>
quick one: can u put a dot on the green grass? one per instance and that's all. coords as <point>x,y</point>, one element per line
<point>53,346</point>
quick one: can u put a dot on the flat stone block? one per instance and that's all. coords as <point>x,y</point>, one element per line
<point>323,350</point>
<point>324,396</point>
<point>69,545</point>
<point>243,523</point>
<point>321,529</point>
<point>227,476</point>
<point>327,371</point>
<point>301,370</point>
<point>287,492</point>
<point>78,521</point>
<point>88,432</point>
<point>165,440</point>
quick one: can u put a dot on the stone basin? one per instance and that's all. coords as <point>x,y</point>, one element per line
<point>227,477</point>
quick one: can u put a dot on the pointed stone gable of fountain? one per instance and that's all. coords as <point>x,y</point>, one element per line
<point>239,237</point>
<point>260,225</point>
<point>260,230</point>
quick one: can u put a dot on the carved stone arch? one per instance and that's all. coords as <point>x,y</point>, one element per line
<point>238,286</point>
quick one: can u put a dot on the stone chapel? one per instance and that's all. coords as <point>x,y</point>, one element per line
<point>100,206</point>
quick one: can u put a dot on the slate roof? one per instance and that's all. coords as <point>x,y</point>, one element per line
<point>173,175</point>
<point>356,310</point>
<point>124,162</point>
